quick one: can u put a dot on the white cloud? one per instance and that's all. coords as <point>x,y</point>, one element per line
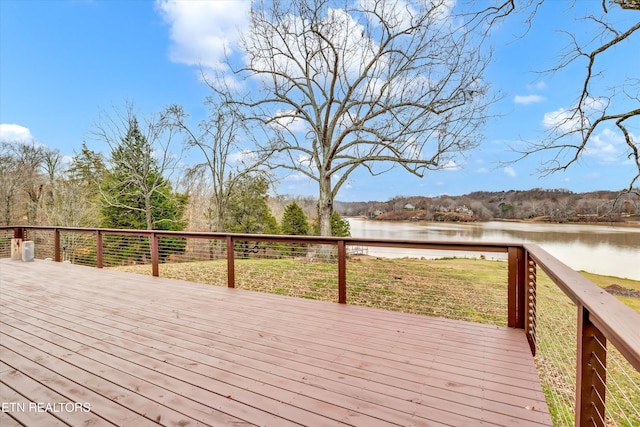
<point>296,177</point>
<point>528,99</point>
<point>290,121</point>
<point>561,120</point>
<point>451,165</point>
<point>510,171</point>
<point>608,146</point>
<point>14,133</point>
<point>285,50</point>
<point>567,121</point>
<point>244,156</point>
<point>201,31</point>
<point>537,86</point>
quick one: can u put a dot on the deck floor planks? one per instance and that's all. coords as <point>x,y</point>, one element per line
<point>439,400</point>
<point>452,336</point>
<point>172,325</point>
<point>51,379</point>
<point>369,422</point>
<point>441,360</point>
<point>366,364</point>
<point>518,365</point>
<point>193,386</point>
<point>20,383</point>
<point>135,383</point>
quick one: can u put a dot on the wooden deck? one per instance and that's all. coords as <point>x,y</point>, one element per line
<point>83,346</point>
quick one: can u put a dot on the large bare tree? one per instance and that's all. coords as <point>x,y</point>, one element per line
<point>218,139</point>
<point>602,99</point>
<point>372,84</point>
<point>27,173</point>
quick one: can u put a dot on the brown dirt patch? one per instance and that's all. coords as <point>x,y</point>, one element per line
<point>620,291</point>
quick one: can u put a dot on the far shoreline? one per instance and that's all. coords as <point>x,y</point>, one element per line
<point>624,222</point>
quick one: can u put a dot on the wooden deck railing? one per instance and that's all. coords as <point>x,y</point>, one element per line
<point>601,317</point>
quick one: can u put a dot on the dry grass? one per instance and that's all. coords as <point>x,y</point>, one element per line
<point>464,289</point>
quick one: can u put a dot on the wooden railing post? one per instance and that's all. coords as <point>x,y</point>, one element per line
<point>155,271</point>
<point>531,301</point>
<point>516,288</point>
<point>18,233</point>
<point>591,375</point>
<point>98,249</point>
<point>342,272</point>
<point>231,274</point>
<point>56,245</point>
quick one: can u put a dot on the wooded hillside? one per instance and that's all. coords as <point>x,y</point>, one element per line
<point>557,205</point>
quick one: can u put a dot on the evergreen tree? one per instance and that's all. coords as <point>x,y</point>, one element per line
<point>248,212</point>
<point>87,169</point>
<point>135,195</point>
<point>79,195</point>
<point>339,227</point>
<point>294,221</point>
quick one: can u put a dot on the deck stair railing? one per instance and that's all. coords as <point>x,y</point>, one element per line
<point>586,343</point>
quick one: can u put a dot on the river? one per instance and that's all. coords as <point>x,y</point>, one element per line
<point>602,249</point>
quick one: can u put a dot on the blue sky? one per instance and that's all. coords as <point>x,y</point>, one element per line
<point>63,62</point>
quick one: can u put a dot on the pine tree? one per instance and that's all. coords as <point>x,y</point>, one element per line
<point>248,212</point>
<point>339,227</point>
<point>294,221</point>
<point>135,195</point>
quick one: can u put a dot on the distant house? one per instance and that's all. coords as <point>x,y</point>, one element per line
<point>409,207</point>
<point>377,212</point>
<point>464,210</point>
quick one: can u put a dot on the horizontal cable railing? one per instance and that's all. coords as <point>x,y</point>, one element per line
<point>418,281</point>
<point>585,342</point>
<point>587,347</point>
<point>6,234</point>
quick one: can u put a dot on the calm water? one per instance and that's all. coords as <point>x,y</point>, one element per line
<point>602,249</point>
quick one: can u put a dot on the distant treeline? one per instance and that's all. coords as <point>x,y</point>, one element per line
<point>557,205</point>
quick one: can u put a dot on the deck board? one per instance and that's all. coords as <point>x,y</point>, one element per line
<point>147,351</point>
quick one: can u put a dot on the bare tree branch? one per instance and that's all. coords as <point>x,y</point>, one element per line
<point>226,162</point>
<point>377,84</point>
<point>573,133</point>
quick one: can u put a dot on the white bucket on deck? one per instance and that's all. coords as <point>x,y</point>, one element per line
<point>28,251</point>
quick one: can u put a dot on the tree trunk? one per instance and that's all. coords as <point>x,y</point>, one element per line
<point>325,206</point>
<point>148,210</point>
